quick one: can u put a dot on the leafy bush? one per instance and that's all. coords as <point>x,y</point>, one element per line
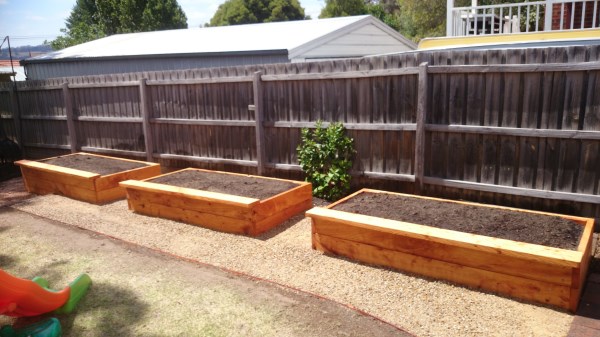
<point>325,155</point>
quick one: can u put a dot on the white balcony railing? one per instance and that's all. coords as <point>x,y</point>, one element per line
<point>524,17</point>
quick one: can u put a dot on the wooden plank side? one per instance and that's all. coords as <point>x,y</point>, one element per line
<point>33,173</point>
<point>192,204</point>
<point>537,291</point>
<point>111,194</point>
<point>471,257</point>
<point>206,220</point>
<point>550,255</point>
<point>283,201</point>
<point>580,274</point>
<point>43,186</point>
<point>189,192</point>
<point>57,169</point>
<point>270,222</point>
<point>112,180</point>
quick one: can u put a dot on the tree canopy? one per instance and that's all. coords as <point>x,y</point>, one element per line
<point>337,8</point>
<point>237,12</point>
<point>384,10</point>
<point>92,19</point>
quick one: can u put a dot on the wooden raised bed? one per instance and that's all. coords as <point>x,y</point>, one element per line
<point>527,271</point>
<point>42,178</point>
<point>219,211</point>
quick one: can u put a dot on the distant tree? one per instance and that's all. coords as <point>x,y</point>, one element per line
<point>388,14</point>
<point>93,19</point>
<point>337,8</point>
<point>423,18</point>
<point>238,12</point>
<point>426,18</point>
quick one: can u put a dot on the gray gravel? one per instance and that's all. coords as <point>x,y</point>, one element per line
<point>421,306</point>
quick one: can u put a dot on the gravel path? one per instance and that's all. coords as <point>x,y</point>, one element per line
<point>422,306</point>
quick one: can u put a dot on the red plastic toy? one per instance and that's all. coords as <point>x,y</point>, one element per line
<point>21,297</point>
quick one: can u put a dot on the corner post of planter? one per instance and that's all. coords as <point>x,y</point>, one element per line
<point>259,117</point>
<point>422,106</point>
<point>146,115</point>
<point>70,117</point>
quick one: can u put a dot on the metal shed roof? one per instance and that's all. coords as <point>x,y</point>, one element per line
<point>287,36</point>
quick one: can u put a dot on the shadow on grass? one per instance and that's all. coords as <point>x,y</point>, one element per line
<point>106,310</point>
<point>7,261</point>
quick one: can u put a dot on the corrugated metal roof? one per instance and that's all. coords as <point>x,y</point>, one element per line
<point>250,38</point>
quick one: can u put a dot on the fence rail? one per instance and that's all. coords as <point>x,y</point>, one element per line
<point>513,127</point>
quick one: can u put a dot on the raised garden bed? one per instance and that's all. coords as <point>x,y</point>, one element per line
<point>84,176</point>
<point>228,202</point>
<point>412,239</point>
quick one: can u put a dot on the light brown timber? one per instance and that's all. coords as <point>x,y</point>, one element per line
<point>527,271</point>
<point>219,211</point>
<point>42,178</point>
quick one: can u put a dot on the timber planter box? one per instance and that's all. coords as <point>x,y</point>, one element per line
<point>219,210</point>
<point>532,272</point>
<point>48,176</point>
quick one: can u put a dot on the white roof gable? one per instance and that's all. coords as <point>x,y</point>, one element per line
<point>280,36</point>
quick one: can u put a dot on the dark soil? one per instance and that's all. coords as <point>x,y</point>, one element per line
<point>243,186</point>
<point>101,165</point>
<point>517,226</point>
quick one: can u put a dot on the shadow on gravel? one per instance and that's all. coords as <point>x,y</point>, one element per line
<point>7,261</point>
<point>317,202</point>
<point>282,227</point>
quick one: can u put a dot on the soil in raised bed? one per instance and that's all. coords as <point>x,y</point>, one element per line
<point>99,165</point>
<point>243,186</point>
<point>527,227</point>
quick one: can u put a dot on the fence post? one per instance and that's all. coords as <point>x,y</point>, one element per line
<point>146,127</point>
<point>70,117</point>
<point>422,106</point>
<point>548,13</point>
<point>258,117</point>
<point>16,116</point>
<point>449,17</point>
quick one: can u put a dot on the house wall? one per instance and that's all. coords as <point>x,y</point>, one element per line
<point>366,40</point>
<point>577,13</point>
<point>40,71</point>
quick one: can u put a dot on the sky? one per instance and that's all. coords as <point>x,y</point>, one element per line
<point>30,22</point>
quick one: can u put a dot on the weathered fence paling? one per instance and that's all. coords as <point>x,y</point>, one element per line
<point>524,123</point>
<point>146,115</point>
<point>258,116</point>
<point>420,130</point>
<point>70,117</point>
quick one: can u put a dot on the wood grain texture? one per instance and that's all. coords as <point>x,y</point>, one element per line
<point>517,287</point>
<point>527,271</point>
<point>42,178</point>
<point>219,211</point>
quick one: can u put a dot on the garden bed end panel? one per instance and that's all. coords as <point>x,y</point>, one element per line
<point>521,270</point>
<point>219,211</point>
<point>42,178</point>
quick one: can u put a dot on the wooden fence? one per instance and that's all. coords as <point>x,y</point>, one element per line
<point>510,127</point>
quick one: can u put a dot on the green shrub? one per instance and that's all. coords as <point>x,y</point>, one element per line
<point>325,155</point>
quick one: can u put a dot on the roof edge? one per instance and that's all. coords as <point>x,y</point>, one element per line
<point>368,19</point>
<point>137,57</point>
